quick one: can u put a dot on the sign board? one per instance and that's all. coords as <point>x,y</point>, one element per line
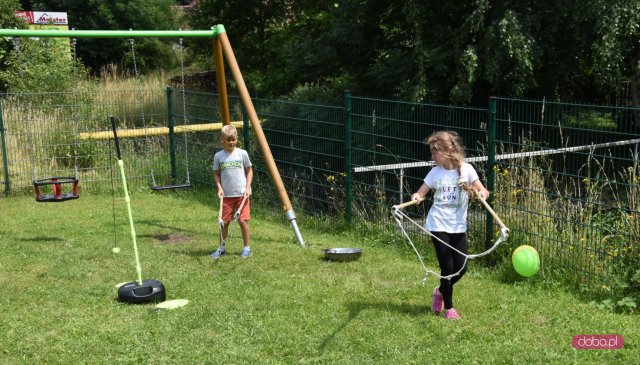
<point>44,19</point>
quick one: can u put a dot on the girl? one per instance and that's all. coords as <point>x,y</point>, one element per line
<point>447,218</point>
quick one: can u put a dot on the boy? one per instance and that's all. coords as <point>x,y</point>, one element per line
<point>233,175</point>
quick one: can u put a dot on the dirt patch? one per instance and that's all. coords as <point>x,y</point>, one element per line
<point>172,238</point>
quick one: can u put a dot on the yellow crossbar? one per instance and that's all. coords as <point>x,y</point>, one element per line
<point>156,131</point>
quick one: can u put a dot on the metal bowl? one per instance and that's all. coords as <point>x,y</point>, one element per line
<point>342,254</point>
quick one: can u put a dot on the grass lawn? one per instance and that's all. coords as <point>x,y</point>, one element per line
<point>284,305</point>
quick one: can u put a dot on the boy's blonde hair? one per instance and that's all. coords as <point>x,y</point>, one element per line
<point>449,144</point>
<point>228,131</point>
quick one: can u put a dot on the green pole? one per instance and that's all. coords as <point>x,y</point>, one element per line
<point>347,158</point>
<point>245,129</point>
<point>127,199</point>
<point>172,136</point>
<point>56,33</point>
<point>5,161</point>
<point>491,163</point>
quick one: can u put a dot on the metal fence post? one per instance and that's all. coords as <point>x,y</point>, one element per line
<point>491,163</point>
<point>172,139</point>
<point>347,158</point>
<point>5,160</point>
<point>245,129</point>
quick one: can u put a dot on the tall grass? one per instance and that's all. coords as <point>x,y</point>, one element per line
<point>586,231</point>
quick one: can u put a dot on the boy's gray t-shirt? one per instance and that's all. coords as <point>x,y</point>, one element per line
<point>232,171</point>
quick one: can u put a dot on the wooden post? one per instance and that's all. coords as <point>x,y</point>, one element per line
<point>257,130</point>
<point>222,82</point>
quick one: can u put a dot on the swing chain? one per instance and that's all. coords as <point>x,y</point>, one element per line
<point>184,112</point>
<point>75,106</point>
<point>141,106</point>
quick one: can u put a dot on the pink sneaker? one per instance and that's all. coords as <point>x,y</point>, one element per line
<point>438,301</point>
<point>451,314</point>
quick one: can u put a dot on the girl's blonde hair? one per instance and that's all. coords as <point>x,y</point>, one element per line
<point>449,144</point>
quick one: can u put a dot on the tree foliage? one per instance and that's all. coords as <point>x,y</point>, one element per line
<point>458,52</point>
<point>616,47</point>
<point>152,53</point>
<point>38,65</point>
<point>29,64</point>
<point>440,51</point>
<point>7,20</point>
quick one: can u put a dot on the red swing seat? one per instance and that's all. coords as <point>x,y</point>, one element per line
<point>57,195</point>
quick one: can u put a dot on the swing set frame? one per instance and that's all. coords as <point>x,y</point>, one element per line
<point>222,50</point>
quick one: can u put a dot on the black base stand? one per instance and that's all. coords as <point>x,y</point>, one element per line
<point>134,293</point>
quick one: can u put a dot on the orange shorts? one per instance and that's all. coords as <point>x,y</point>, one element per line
<point>230,205</point>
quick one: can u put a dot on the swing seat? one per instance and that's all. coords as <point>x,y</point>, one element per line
<point>171,187</point>
<point>56,187</point>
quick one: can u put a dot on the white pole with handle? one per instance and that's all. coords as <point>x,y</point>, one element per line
<point>406,204</point>
<point>490,210</point>
<point>395,209</point>
<point>220,221</point>
<point>464,183</point>
<point>237,214</point>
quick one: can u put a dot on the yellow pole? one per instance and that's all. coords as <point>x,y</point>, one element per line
<point>158,131</point>
<point>257,129</point>
<point>222,82</point>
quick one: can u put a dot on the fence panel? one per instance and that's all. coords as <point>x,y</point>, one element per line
<point>307,143</point>
<point>567,179</point>
<point>390,159</point>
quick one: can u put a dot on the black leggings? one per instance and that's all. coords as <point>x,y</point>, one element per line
<point>450,261</point>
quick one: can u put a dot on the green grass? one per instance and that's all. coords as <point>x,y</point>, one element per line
<point>284,305</point>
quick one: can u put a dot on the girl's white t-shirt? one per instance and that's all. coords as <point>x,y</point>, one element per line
<point>449,210</point>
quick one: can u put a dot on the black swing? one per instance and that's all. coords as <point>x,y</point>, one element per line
<point>57,194</point>
<point>58,185</point>
<point>186,185</point>
<point>154,186</point>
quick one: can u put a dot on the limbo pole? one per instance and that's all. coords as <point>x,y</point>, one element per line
<point>257,130</point>
<point>158,131</point>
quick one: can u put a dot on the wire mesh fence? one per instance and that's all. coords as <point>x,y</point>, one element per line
<point>307,142</point>
<point>390,160</point>
<point>63,135</point>
<point>564,177</point>
<point>567,180</point>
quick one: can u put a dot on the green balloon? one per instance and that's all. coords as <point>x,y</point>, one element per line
<point>526,261</point>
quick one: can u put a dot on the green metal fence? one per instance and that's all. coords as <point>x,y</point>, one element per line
<point>307,142</point>
<point>567,180</point>
<point>388,157</point>
<point>564,177</point>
